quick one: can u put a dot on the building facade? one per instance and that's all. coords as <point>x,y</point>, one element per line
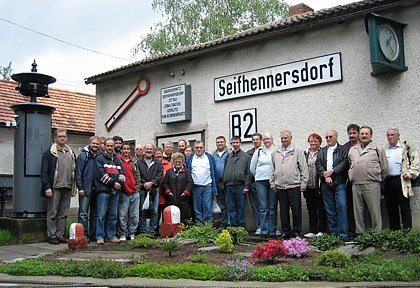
<point>307,73</point>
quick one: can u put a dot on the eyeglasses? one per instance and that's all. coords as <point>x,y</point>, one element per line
<point>328,137</point>
<point>199,147</point>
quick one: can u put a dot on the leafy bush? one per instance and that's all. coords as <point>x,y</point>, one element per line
<point>333,259</point>
<point>170,245</point>
<point>405,241</point>
<point>5,237</point>
<point>203,234</point>
<point>198,258</point>
<point>175,271</point>
<point>236,270</point>
<point>238,234</point>
<point>296,247</point>
<point>41,267</point>
<point>269,252</point>
<point>326,242</point>
<point>373,267</point>
<point>144,241</point>
<point>279,274</point>
<point>224,242</point>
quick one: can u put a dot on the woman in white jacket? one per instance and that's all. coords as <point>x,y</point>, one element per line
<point>260,167</point>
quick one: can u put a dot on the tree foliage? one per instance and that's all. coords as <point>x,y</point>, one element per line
<point>6,71</point>
<point>189,22</point>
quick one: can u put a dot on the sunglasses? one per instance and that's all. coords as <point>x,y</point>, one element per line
<point>328,137</point>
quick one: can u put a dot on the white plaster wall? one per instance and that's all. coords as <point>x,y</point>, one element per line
<point>380,102</point>
<point>6,151</point>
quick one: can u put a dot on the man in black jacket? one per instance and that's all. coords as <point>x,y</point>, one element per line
<point>58,185</point>
<point>151,173</point>
<point>109,179</point>
<point>332,166</point>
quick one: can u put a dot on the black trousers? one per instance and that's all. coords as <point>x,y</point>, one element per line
<point>290,199</point>
<point>316,211</point>
<point>396,202</point>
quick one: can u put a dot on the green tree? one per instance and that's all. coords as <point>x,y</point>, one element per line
<point>6,71</point>
<point>189,22</point>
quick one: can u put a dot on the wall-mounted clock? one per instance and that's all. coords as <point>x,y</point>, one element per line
<point>386,44</point>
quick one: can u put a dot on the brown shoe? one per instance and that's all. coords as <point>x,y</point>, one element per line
<point>62,240</point>
<point>53,240</point>
<point>114,240</point>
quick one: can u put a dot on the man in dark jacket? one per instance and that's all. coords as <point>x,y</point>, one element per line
<point>332,167</point>
<point>151,173</point>
<point>58,185</point>
<point>236,179</point>
<point>85,164</point>
<point>109,180</point>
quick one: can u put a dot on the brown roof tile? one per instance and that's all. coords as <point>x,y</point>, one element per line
<point>74,111</point>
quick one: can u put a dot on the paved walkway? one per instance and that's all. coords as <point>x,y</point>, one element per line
<point>18,252</point>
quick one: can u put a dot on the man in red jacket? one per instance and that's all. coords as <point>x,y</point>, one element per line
<point>128,207</point>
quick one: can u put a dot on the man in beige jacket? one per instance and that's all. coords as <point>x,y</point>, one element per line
<point>289,178</point>
<point>368,168</point>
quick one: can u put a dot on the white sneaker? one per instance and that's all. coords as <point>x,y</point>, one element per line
<point>132,237</point>
<point>319,234</point>
<point>278,232</point>
<point>123,239</point>
<point>258,232</point>
<point>309,235</point>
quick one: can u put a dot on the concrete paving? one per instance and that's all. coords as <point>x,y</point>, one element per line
<point>14,253</point>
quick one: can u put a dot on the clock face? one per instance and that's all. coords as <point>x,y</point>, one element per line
<point>388,42</point>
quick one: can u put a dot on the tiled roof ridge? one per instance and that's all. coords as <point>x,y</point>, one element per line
<point>10,82</point>
<point>286,24</point>
<point>74,111</point>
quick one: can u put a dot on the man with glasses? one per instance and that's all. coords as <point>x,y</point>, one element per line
<point>203,171</point>
<point>332,166</point>
<point>138,151</point>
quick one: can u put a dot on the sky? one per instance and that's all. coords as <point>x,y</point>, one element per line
<point>102,34</point>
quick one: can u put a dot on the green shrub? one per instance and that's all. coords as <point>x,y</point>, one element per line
<point>203,234</point>
<point>5,237</point>
<point>224,242</point>
<point>175,271</point>
<point>333,259</point>
<point>238,234</point>
<point>144,241</point>
<point>405,241</point>
<point>274,273</point>
<point>170,245</point>
<point>326,242</point>
<point>373,267</point>
<point>41,267</point>
<point>198,258</point>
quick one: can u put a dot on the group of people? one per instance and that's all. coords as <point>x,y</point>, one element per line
<point>342,184</point>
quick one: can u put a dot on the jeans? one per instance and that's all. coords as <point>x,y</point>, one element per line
<point>255,204</point>
<point>272,211</point>
<point>107,205</point>
<point>154,206</point>
<point>87,214</point>
<point>235,200</point>
<point>335,202</point>
<point>128,214</point>
<point>263,190</point>
<point>202,197</point>
<point>290,199</point>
